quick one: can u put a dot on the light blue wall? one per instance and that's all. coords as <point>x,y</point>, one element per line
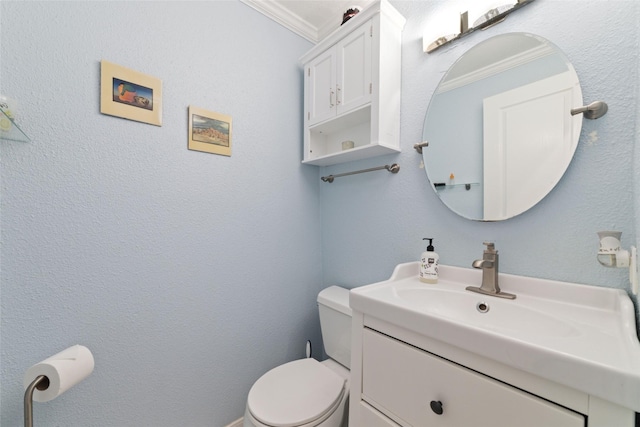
<point>187,274</point>
<point>371,222</point>
<point>636,179</point>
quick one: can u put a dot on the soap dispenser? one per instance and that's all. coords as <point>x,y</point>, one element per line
<point>429,264</point>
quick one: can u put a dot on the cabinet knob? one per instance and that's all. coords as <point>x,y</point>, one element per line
<point>436,406</point>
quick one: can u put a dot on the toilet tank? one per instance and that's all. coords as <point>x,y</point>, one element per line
<point>335,322</point>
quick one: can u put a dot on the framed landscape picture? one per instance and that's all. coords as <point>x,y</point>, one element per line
<point>209,132</point>
<point>129,94</point>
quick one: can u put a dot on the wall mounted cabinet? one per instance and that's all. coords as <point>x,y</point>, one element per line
<point>339,79</point>
<point>352,89</point>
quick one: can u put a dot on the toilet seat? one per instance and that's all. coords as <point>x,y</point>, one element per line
<point>295,394</point>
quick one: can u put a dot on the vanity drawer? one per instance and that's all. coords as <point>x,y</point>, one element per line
<point>369,417</point>
<point>403,382</point>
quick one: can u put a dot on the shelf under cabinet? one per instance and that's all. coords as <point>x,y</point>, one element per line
<point>326,138</point>
<point>356,153</point>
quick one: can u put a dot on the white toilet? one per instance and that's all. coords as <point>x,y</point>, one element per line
<point>305,392</point>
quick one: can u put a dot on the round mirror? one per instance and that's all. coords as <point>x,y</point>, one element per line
<point>499,127</point>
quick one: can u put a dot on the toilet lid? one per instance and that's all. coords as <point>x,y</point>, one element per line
<point>295,393</point>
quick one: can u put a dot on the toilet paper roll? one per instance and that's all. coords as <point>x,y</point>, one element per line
<point>64,370</point>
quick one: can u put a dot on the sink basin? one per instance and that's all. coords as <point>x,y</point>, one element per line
<point>577,335</point>
<point>485,312</point>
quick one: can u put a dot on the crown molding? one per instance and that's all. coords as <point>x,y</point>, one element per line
<point>284,17</point>
<point>496,68</point>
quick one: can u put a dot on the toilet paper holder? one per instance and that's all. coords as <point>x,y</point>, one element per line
<point>41,383</point>
<point>53,376</point>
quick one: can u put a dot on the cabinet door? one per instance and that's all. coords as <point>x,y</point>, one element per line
<point>419,389</point>
<point>353,86</point>
<point>321,88</point>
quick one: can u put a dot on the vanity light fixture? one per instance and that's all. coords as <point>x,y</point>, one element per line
<point>492,13</point>
<point>449,25</point>
<point>610,254</point>
<point>493,16</point>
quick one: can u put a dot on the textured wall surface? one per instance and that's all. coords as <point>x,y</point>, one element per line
<point>372,222</point>
<point>187,274</point>
<point>636,179</point>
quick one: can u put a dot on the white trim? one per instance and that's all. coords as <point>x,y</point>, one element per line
<point>239,421</point>
<point>305,29</point>
<point>325,30</point>
<point>497,67</point>
<point>286,18</point>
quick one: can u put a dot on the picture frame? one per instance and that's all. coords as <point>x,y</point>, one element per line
<point>130,94</point>
<point>209,132</point>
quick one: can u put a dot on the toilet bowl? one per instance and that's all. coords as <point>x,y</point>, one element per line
<point>302,393</point>
<point>305,392</point>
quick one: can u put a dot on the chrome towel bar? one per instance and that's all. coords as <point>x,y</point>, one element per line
<point>394,168</point>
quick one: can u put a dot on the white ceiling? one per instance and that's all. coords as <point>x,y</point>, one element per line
<point>311,19</point>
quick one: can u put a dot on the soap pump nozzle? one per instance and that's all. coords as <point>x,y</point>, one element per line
<point>430,247</point>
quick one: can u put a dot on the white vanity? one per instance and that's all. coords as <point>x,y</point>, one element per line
<point>560,354</point>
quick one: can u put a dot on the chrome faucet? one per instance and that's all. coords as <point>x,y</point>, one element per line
<point>489,266</point>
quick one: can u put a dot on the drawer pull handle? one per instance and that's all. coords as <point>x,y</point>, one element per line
<point>436,406</point>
